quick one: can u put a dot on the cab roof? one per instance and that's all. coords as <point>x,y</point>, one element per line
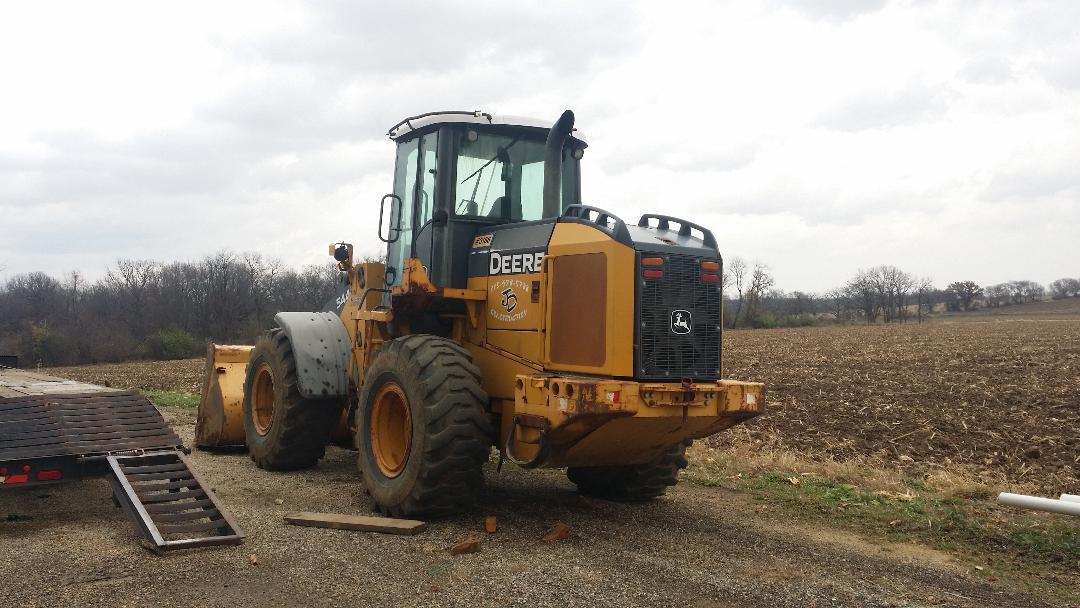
<point>431,120</point>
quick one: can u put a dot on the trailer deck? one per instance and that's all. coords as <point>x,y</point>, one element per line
<point>53,430</point>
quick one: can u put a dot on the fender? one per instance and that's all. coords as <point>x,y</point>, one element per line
<point>322,348</point>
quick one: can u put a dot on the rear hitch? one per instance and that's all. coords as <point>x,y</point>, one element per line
<point>544,445</point>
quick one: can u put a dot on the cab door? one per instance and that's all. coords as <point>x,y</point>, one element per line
<point>414,185</point>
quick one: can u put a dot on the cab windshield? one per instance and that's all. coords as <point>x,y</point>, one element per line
<point>502,177</point>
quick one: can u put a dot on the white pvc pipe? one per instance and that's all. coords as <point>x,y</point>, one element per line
<point>1070,497</point>
<point>1040,504</point>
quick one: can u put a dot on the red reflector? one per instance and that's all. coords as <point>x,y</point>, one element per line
<point>710,266</point>
<point>615,397</point>
<point>48,475</point>
<point>17,479</point>
<point>26,468</point>
<point>652,274</point>
<point>652,261</point>
<point>710,278</point>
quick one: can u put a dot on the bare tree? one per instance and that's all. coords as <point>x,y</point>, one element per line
<point>862,290</point>
<point>998,295</point>
<point>924,293</point>
<point>963,294</point>
<point>760,282</point>
<point>737,269</point>
<point>838,301</point>
<point>1065,288</point>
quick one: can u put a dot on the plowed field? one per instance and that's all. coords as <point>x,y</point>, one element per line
<point>1000,397</point>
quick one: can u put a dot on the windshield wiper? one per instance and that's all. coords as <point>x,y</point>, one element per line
<point>493,159</point>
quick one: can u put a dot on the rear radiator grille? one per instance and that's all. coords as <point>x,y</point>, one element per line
<point>662,353</point>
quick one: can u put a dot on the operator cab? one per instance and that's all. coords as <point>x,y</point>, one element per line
<point>458,174</point>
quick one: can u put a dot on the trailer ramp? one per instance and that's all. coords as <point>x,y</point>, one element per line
<point>170,504</point>
<point>55,430</point>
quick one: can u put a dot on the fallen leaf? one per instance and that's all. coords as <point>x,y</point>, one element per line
<point>896,522</point>
<point>491,525</point>
<point>278,501</point>
<point>559,532</point>
<point>793,481</point>
<point>253,559</point>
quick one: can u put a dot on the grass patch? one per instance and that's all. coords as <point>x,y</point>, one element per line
<point>179,399</point>
<point>943,511</point>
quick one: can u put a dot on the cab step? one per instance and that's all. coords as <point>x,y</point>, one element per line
<point>169,503</point>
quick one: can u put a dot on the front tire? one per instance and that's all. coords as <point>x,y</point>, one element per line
<point>632,482</point>
<point>284,431</point>
<point>422,428</point>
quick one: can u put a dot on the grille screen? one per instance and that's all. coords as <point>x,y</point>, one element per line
<point>678,332</point>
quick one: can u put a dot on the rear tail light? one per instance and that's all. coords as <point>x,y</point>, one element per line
<point>652,274</point>
<point>652,261</point>
<point>48,475</point>
<point>710,278</point>
<point>710,266</point>
<point>17,479</point>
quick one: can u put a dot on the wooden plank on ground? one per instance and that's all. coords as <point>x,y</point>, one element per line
<point>339,521</point>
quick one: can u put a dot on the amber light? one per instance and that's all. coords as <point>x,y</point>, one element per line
<point>652,261</point>
<point>710,278</point>
<point>652,274</point>
<point>710,266</point>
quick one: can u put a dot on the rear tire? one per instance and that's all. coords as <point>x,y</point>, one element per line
<point>632,482</point>
<point>284,431</point>
<point>422,428</point>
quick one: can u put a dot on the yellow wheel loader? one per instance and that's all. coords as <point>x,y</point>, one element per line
<point>507,313</point>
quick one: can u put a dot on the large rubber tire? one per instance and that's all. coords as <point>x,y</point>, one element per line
<point>295,433</point>
<point>450,431</point>
<point>634,482</point>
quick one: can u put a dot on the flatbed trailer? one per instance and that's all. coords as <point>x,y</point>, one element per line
<point>54,430</point>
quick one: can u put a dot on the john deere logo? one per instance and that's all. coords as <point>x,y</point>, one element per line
<point>680,322</point>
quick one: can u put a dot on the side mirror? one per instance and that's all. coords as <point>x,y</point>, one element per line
<point>343,253</point>
<point>393,223</point>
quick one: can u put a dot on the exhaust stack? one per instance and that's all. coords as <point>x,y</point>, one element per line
<point>553,162</point>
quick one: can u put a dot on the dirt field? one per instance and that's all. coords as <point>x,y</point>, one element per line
<point>700,547</point>
<point>999,397</point>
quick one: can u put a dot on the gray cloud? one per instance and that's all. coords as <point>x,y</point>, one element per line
<point>386,38</point>
<point>1033,184</point>
<point>884,109</point>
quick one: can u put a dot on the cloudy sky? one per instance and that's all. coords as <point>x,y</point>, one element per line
<point>815,136</point>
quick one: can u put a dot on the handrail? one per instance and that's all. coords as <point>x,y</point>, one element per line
<point>664,223</point>
<point>583,213</point>
<point>408,121</point>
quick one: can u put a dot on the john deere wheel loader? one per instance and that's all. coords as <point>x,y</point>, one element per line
<point>507,313</point>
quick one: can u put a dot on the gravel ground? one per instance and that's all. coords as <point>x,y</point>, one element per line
<point>698,547</point>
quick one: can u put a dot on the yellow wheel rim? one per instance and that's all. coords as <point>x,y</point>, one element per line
<point>391,429</point>
<point>262,400</point>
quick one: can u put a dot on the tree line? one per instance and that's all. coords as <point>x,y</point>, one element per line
<point>882,294</point>
<point>149,309</point>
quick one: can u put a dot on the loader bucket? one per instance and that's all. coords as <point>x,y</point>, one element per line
<point>221,411</point>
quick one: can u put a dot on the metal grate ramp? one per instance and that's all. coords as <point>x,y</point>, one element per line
<point>170,504</point>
